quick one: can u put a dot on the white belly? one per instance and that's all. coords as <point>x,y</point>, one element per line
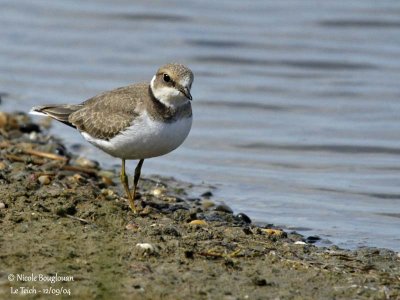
<point>145,138</point>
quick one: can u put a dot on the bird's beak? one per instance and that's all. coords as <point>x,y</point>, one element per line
<point>186,92</point>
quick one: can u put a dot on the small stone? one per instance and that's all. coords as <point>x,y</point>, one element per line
<point>313,239</point>
<point>147,211</point>
<point>2,205</point>
<point>44,179</point>
<point>87,163</point>
<point>243,217</point>
<point>159,191</point>
<point>66,210</point>
<point>198,222</point>
<point>224,208</point>
<point>170,230</point>
<point>189,254</point>
<point>247,231</point>
<point>108,194</point>
<point>29,127</point>
<point>207,194</point>
<point>207,204</point>
<point>33,136</point>
<point>3,119</point>
<point>300,243</point>
<point>78,178</point>
<point>274,232</point>
<point>8,121</point>
<point>106,173</point>
<point>3,165</point>
<point>61,150</point>
<point>107,180</point>
<point>260,282</point>
<point>182,215</point>
<point>147,248</point>
<point>132,227</point>
<point>170,199</point>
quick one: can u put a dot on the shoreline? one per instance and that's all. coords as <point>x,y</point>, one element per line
<point>61,214</point>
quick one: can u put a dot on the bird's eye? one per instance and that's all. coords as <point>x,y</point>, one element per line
<point>167,78</point>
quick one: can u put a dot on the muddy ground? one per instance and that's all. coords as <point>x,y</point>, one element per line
<point>64,219</point>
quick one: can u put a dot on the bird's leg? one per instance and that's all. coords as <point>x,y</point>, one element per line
<point>125,183</point>
<point>137,176</point>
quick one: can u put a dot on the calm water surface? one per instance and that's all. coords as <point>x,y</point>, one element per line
<point>297,103</point>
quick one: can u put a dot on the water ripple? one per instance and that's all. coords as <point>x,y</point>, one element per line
<point>138,17</point>
<point>302,64</point>
<point>324,148</point>
<point>251,105</point>
<point>360,23</point>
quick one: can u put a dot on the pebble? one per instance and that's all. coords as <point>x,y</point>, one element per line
<point>87,163</point>
<point>107,180</point>
<point>300,243</point>
<point>61,150</point>
<point>260,282</point>
<point>3,119</point>
<point>109,194</point>
<point>2,165</point>
<point>207,194</point>
<point>170,230</point>
<point>147,247</point>
<point>132,227</point>
<point>313,239</point>
<point>207,204</point>
<point>2,205</point>
<point>147,211</point>
<point>274,232</point>
<point>243,217</point>
<point>158,192</point>
<point>8,121</point>
<point>105,173</point>
<point>170,199</point>
<point>198,222</point>
<point>44,179</point>
<point>78,178</point>
<point>224,208</point>
<point>29,127</point>
<point>182,215</point>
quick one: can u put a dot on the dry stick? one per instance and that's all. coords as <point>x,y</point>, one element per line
<point>22,159</point>
<point>48,155</point>
<point>210,254</point>
<point>44,154</point>
<point>78,219</point>
<point>88,171</point>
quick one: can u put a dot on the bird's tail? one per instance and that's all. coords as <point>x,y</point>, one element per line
<point>58,112</point>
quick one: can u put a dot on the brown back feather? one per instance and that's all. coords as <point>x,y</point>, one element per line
<point>58,112</point>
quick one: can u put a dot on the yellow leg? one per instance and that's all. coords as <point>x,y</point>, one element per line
<point>125,183</point>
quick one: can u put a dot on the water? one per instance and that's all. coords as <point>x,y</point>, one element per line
<point>297,103</point>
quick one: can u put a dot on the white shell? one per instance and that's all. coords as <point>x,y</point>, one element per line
<point>146,246</point>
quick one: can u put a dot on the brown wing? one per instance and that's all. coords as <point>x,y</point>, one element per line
<point>105,115</point>
<point>100,124</point>
<point>58,112</point>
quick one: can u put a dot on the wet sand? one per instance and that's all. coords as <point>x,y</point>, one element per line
<point>63,215</point>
